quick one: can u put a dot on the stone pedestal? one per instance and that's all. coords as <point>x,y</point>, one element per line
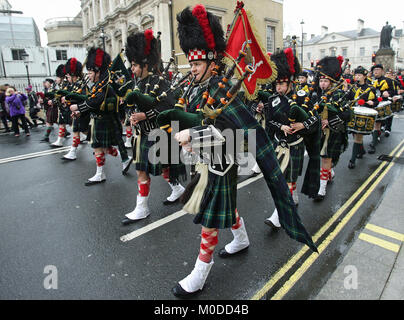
<point>386,57</point>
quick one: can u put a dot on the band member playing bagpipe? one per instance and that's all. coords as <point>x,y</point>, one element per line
<point>50,105</point>
<point>385,90</point>
<point>334,117</point>
<point>362,94</point>
<point>142,52</point>
<point>212,193</point>
<point>77,84</point>
<point>102,104</point>
<point>287,116</point>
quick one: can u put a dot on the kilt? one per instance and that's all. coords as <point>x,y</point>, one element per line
<point>102,132</point>
<point>335,145</point>
<point>64,116</point>
<point>52,114</point>
<point>295,166</point>
<point>81,123</point>
<point>141,156</point>
<point>219,201</point>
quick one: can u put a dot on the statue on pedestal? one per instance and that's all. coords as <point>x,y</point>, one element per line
<point>386,36</point>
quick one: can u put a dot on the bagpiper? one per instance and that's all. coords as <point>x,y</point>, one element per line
<point>291,118</point>
<point>331,100</point>
<point>142,52</point>
<point>212,193</point>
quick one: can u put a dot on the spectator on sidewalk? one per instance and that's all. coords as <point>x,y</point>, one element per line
<point>4,113</point>
<point>33,106</point>
<point>15,101</point>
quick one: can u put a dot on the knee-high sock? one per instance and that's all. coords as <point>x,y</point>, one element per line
<point>166,174</point>
<point>375,135</point>
<point>325,174</point>
<point>209,241</point>
<point>112,151</point>
<point>100,159</point>
<point>48,132</point>
<point>238,223</point>
<point>355,151</point>
<point>62,132</point>
<point>76,142</point>
<point>144,187</point>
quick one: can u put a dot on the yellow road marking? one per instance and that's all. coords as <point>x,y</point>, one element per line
<point>292,261</point>
<point>380,242</point>
<point>313,257</point>
<point>385,232</point>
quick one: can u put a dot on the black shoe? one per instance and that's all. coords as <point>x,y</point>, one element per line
<point>319,198</point>
<point>127,221</point>
<point>224,254</point>
<point>126,169</point>
<point>67,134</point>
<point>372,149</point>
<point>387,133</point>
<point>90,183</point>
<point>351,165</point>
<point>179,292</point>
<point>45,140</point>
<point>269,223</point>
<point>169,203</point>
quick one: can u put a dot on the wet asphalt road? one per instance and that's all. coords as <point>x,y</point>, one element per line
<point>49,218</point>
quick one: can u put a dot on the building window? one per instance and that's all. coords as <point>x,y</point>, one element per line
<point>61,54</point>
<point>344,52</point>
<point>322,53</point>
<point>333,52</point>
<point>309,56</point>
<point>362,52</point>
<point>270,38</point>
<point>17,54</point>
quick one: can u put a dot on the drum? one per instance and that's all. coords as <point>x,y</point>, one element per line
<point>396,106</point>
<point>363,120</point>
<point>384,110</point>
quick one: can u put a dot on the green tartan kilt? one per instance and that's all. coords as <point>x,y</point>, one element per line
<point>81,123</point>
<point>143,163</point>
<point>102,133</point>
<point>64,116</point>
<point>219,202</point>
<point>335,145</point>
<point>295,166</point>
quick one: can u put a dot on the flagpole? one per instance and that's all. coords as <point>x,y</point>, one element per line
<point>240,5</point>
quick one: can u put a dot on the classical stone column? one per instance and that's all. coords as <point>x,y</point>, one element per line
<point>102,10</point>
<point>94,13</point>
<point>164,23</point>
<point>111,5</point>
<point>124,31</point>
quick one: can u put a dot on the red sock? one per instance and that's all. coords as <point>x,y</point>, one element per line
<point>112,151</point>
<point>100,159</point>
<point>76,142</point>
<point>128,133</point>
<point>294,186</point>
<point>62,132</point>
<point>166,174</point>
<point>208,243</point>
<point>144,187</point>
<point>238,222</point>
<point>325,174</point>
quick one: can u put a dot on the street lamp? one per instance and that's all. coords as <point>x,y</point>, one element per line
<point>302,23</point>
<point>25,56</point>
<point>103,36</point>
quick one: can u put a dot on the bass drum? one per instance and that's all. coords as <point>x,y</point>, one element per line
<point>384,110</point>
<point>363,120</point>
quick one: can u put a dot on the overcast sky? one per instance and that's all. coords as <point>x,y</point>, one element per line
<point>337,15</point>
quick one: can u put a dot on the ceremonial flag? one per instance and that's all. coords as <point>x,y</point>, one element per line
<point>241,36</point>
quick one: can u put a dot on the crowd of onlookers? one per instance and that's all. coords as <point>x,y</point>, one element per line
<point>20,110</point>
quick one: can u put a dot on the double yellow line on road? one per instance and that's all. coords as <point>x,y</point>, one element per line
<point>321,247</point>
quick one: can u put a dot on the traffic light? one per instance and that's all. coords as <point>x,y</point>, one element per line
<point>373,58</point>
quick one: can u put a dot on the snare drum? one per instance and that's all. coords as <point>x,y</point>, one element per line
<point>363,120</point>
<point>396,106</point>
<point>384,110</point>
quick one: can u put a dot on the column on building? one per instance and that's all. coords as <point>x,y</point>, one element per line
<point>124,31</point>
<point>164,24</point>
<point>156,25</point>
<point>111,5</point>
<point>85,21</point>
<point>102,10</point>
<point>94,13</point>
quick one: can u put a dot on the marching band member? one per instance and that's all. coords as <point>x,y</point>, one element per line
<point>334,119</point>
<point>290,123</point>
<point>363,91</point>
<point>102,103</point>
<point>303,85</point>
<point>384,89</point>
<point>142,52</point>
<point>212,194</point>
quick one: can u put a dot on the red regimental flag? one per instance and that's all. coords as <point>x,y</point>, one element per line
<point>242,37</point>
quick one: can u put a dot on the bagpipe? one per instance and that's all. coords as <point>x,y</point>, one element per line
<point>211,107</point>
